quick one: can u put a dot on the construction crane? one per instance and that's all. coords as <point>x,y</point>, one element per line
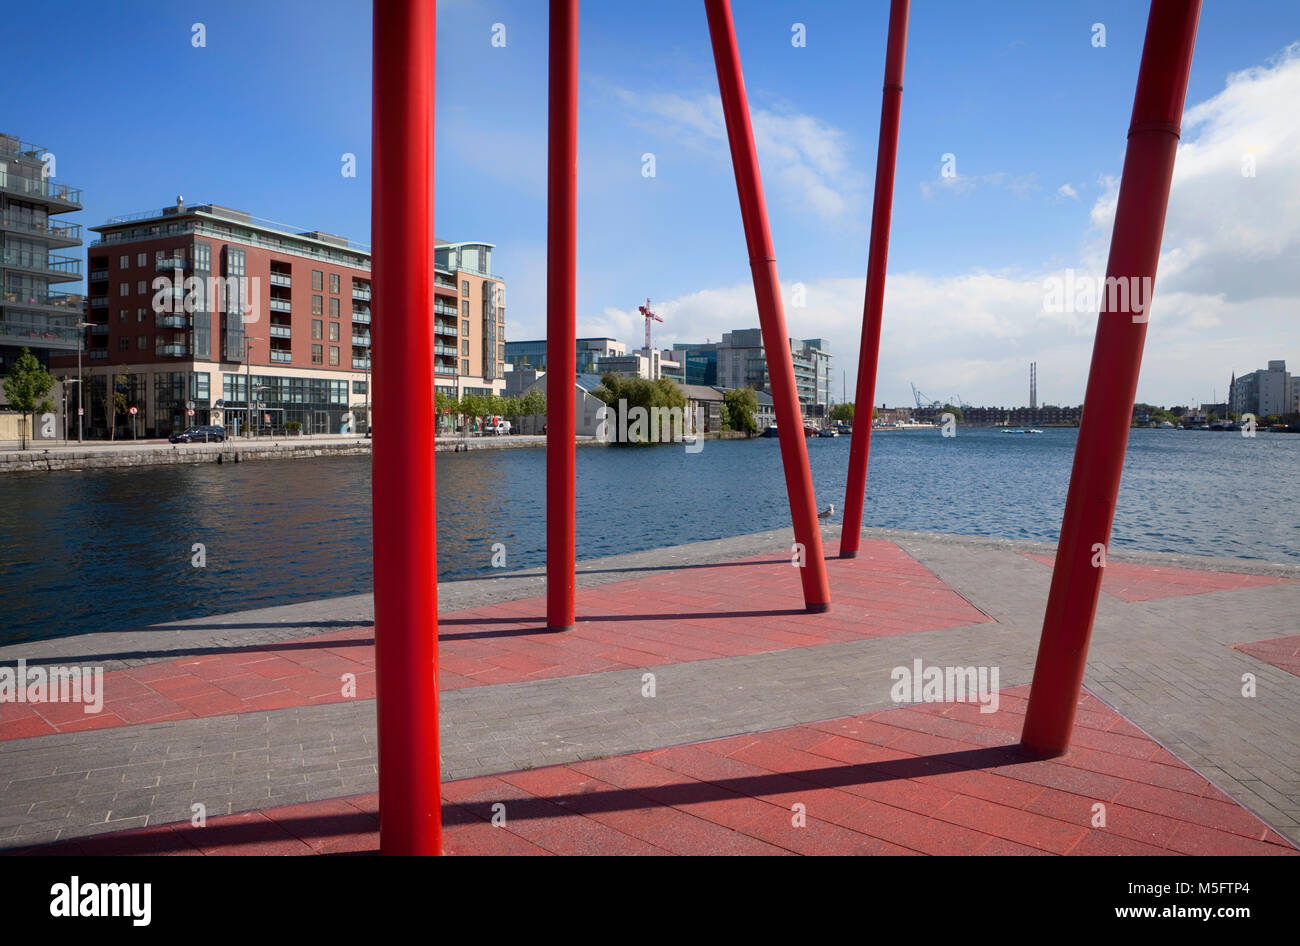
<point>649,317</point>
<point>922,402</point>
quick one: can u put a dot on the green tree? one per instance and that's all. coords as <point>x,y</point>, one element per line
<point>115,403</point>
<point>739,405</point>
<point>842,412</point>
<point>26,386</point>
<point>627,393</point>
<point>955,411</point>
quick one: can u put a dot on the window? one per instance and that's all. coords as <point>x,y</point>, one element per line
<point>334,282</point>
<point>334,331</point>
<point>464,347</point>
<point>202,257</point>
<point>160,256</point>
<point>142,342</point>
<point>464,367</point>
<point>317,280</point>
<point>464,288</point>
<point>123,343</point>
<point>141,286</point>
<point>464,327</point>
<point>141,259</point>
<point>123,262</point>
<point>124,289</point>
<point>334,308</point>
<point>334,354</point>
<point>121,316</point>
<point>317,353</point>
<point>317,328</point>
<point>359,387</point>
<point>139,315</point>
<point>464,309</point>
<point>317,306</point>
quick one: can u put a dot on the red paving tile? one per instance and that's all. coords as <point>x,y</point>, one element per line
<point>723,610</point>
<point>1130,582</point>
<point>1281,652</point>
<point>801,790</point>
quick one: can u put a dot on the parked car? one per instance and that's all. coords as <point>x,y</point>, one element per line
<point>209,433</point>
<point>497,425</point>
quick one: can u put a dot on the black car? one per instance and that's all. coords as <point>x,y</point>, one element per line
<point>211,433</point>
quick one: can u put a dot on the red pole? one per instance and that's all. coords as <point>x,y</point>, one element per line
<point>405,560</point>
<point>771,317</point>
<point>1112,379</point>
<point>561,331</point>
<point>869,354</point>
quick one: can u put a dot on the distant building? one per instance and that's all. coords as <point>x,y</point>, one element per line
<point>742,363</point>
<point>1265,392</point>
<point>532,353</point>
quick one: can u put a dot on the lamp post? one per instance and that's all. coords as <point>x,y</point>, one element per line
<point>80,338</point>
<point>248,380</point>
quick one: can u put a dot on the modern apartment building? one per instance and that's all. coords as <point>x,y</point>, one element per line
<point>246,322</point>
<point>1265,392</point>
<point>469,320</point>
<point>33,314</point>
<point>741,362</point>
<point>532,353</point>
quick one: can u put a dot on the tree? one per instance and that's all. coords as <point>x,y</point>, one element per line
<point>739,405</point>
<point>26,386</point>
<point>843,412</point>
<point>955,411</point>
<point>619,392</point>
<point>115,403</point>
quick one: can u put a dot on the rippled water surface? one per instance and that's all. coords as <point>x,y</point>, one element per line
<point>112,549</point>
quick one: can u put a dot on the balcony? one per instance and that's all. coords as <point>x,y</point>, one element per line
<point>281,279</point>
<point>169,263</point>
<point>65,302</point>
<point>171,351</point>
<point>361,313</point>
<point>446,311</point>
<point>361,293</point>
<point>281,331</point>
<point>360,341</point>
<point>447,350</point>
<point>445,372</point>
<point>99,330</point>
<point>62,234</point>
<point>442,328</point>
<point>162,320</point>
<point>62,268</point>
<point>361,363</point>
<point>99,354</point>
<point>279,305</point>
<point>445,281</point>
<point>98,275</point>
<point>281,357</point>
<point>99,302</point>
<point>44,190</point>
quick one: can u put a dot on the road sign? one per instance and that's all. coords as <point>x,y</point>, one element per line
<point>190,412</point>
<point>189,406</point>
<point>134,411</point>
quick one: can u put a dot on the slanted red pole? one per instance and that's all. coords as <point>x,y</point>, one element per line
<point>1112,379</point>
<point>561,330</point>
<point>405,561</point>
<point>878,252</point>
<point>771,317</point>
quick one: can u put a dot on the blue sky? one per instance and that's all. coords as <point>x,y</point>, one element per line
<point>259,118</point>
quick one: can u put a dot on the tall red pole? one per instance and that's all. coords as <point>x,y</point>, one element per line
<point>1112,379</point>
<point>561,331</point>
<point>869,354</point>
<point>771,317</point>
<point>405,561</point>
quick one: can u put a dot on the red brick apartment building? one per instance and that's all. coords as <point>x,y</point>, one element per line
<point>198,304</point>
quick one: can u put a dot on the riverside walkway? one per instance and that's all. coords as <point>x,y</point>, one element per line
<point>696,709</point>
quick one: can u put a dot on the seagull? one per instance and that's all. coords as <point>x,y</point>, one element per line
<point>830,511</point>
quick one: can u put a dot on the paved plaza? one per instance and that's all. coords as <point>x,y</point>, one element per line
<point>692,709</point>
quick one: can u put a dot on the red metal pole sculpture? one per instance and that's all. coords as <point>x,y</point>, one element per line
<point>561,332</point>
<point>1112,379</point>
<point>767,291</point>
<point>405,549</point>
<point>869,354</point>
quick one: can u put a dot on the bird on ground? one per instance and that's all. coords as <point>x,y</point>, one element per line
<point>827,513</point>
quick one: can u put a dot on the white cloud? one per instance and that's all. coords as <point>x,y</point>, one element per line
<point>1065,190</point>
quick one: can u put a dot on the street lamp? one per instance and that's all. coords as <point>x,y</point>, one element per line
<point>80,338</point>
<point>367,392</point>
<point>248,379</point>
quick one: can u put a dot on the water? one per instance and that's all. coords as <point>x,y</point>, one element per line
<point>106,550</point>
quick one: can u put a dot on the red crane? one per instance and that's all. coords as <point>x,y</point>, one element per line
<point>649,317</point>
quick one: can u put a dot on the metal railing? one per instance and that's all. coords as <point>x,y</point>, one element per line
<point>361,341</point>
<point>281,279</point>
<point>161,320</point>
<point>280,331</point>
<point>281,356</point>
<point>363,294</point>
<point>169,262</point>
<point>48,300</point>
<point>35,187</point>
<point>50,230</point>
<point>43,262</point>
<point>361,318</point>
<point>280,305</point>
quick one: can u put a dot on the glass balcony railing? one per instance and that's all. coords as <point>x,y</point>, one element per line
<point>445,372</point>
<point>99,354</point>
<point>442,328</point>
<point>447,350</point>
<point>361,292</point>
<point>361,341</point>
<point>360,362</point>
<point>67,301</point>
<point>171,351</point>
<point>169,263</point>
<point>98,275</point>
<point>44,262</point>
<point>281,356</point>
<point>361,318</point>
<point>69,232</point>
<point>45,336</point>
<point>281,279</point>
<point>99,330</point>
<point>281,331</point>
<point>36,187</point>
<point>280,305</point>
<point>162,320</point>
